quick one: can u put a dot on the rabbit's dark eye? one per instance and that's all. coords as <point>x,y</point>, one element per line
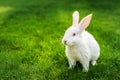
<point>74,34</point>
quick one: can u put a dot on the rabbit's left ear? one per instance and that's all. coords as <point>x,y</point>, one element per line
<point>85,22</point>
<point>75,18</point>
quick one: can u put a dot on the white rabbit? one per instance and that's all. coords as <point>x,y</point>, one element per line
<point>80,45</point>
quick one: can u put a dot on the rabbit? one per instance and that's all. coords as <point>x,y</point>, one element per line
<point>80,45</point>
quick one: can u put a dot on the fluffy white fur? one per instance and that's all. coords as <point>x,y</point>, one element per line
<point>80,45</point>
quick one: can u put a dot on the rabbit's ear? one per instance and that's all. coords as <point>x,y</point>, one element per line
<point>85,22</point>
<point>75,18</point>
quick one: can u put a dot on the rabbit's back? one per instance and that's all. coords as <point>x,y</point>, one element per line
<point>92,45</point>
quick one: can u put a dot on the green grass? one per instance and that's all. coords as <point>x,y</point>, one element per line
<point>31,33</point>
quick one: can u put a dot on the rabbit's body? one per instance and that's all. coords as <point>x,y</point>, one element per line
<point>86,50</point>
<point>80,45</point>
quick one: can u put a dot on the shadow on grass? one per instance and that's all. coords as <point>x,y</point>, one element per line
<point>106,70</point>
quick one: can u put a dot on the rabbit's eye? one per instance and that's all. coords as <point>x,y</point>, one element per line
<point>74,34</point>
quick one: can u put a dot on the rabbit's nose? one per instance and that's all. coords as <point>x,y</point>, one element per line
<point>65,42</point>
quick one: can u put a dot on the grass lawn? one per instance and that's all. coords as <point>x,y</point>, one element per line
<point>31,33</point>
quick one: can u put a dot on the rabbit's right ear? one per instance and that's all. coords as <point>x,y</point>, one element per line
<point>85,22</point>
<point>75,18</point>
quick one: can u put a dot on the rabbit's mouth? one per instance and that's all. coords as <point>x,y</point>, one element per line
<point>68,44</point>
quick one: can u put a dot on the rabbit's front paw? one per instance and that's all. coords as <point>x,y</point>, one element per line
<point>70,67</point>
<point>85,70</point>
<point>93,63</point>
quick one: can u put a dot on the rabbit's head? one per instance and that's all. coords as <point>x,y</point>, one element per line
<point>73,34</point>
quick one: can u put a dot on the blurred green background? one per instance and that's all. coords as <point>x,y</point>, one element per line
<point>31,33</point>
